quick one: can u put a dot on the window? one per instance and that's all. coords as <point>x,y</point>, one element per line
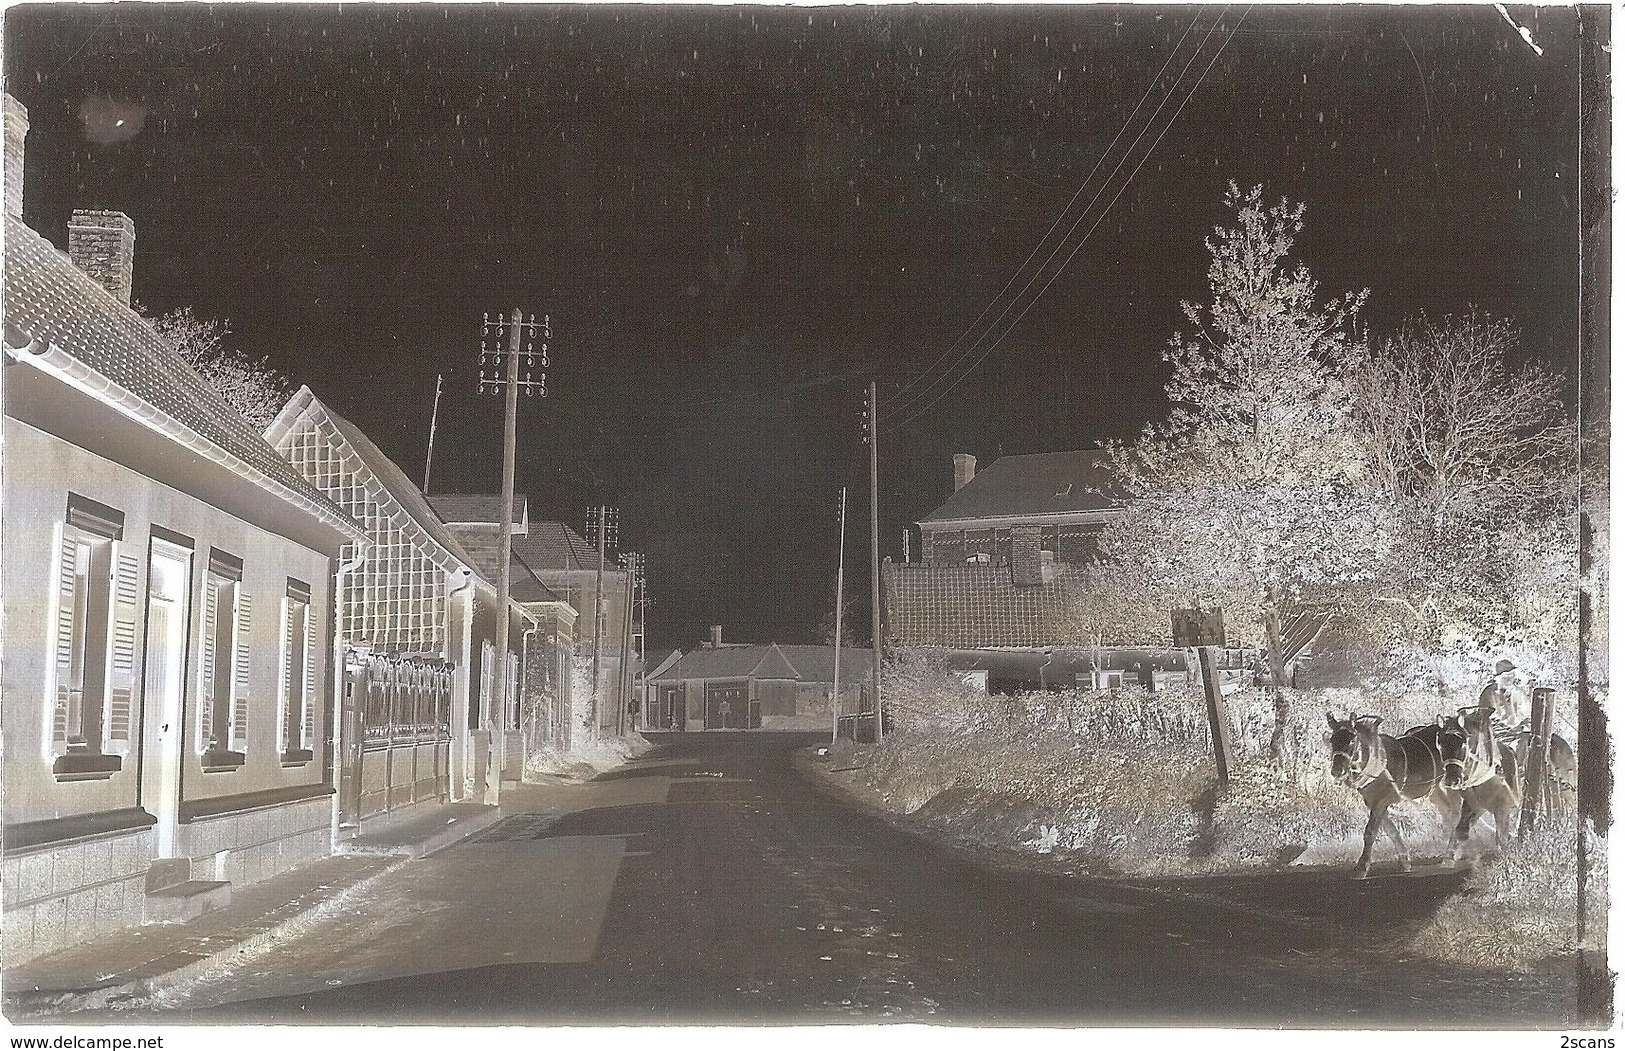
<point>223,675</point>
<point>298,729</point>
<point>93,693</point>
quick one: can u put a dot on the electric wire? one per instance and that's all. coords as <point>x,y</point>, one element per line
<point>916,414</point>
<point>903,409</point>
<point>1063,213</point>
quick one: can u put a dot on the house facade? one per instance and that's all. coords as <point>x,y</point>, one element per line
<point>1003,562</point>
<point>605,635</point>
<point>541,710</point>
<point>167,587</point>
<point>1022,512</point>
<point>417,624</point>
<point>749,686</point>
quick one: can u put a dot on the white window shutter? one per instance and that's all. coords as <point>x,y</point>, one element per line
<point>121,685</point>
<point>239,696</point>
<point>66,582</point>
<point>205,715</point>
<point>307,737</point>
<point>288,731</point>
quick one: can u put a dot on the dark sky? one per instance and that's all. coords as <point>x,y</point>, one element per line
<point>737,217</point>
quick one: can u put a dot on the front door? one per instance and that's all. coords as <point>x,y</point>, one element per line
<point>168,585</point>
<point>671,713</point>
<point>726,707</point>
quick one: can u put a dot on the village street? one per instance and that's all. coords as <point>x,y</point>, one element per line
<point>713,882</point>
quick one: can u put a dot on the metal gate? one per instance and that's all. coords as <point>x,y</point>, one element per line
<point>405,733</point>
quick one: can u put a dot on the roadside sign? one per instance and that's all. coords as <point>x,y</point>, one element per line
<point>1198,627</point>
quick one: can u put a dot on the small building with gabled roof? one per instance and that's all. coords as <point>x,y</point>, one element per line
<point>754,686</point>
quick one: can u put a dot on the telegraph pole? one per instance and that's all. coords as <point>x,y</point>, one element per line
<point>623,719</point>
<point>521,337</point>
<point>840,577</point>
<point>872,438</point>
<point>600,520</point>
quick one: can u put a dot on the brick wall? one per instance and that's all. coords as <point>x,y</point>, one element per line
<point>972,606</point>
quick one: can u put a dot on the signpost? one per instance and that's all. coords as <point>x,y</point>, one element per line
<point>1203,631</point>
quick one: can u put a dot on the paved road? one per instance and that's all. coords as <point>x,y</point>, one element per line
<point>710,883</point>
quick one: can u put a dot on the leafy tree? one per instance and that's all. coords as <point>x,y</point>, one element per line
<point>1251,494</point>
<point>251,387</point>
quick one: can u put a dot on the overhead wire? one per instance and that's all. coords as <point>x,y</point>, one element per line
<point>1072,201</point>
<point>1053,252</point>
<point>911,416</point>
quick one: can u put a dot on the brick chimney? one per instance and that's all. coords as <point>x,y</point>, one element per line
<point>964,469</point>
<point>716,635</point>
<point>102,244</point>
<point>14,115</point>
<point>1026,556</point>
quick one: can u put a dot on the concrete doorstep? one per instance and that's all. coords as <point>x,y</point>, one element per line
<point>136,963</point>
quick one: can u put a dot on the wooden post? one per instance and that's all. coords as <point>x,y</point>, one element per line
<point>510,426</point>
<point>874,560</point>
<point>1535,784</point>
<point>840,580</point>
<point>1218,714</point>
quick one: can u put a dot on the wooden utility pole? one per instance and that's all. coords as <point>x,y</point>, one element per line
<point>623,720</point>
<point>599,518</point>
<point>873,439</point>
<point>1536,779</point>
<point>508,363</point>
<point>840,599</point>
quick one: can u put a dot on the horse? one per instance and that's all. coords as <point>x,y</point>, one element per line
<point>1385,770</point>
<point>1483,770</point>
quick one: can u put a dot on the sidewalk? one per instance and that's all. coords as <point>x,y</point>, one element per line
<point>135,962</point>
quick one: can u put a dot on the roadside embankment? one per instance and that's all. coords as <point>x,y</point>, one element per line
<point>1123,783</point>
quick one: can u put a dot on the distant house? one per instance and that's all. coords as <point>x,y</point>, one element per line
<point>167,660</point>
<point>1022,512</point>
<point>748,686</point>
<point>1001,562</point>
<point>417,620</point>
<point>542,713</point>
<point>607,640</point>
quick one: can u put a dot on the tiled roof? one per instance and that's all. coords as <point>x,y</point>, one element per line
<point>730,661</point>
<point>974,606</point>
<point>817,663</point>
<point>391,477</point>
<point>765,661</point>
<point>665,662</point>
<point>485,548</point>
<point>49,299</point>
<point>555,546</point>
<point>1037,484</point>
<point>476,508</point>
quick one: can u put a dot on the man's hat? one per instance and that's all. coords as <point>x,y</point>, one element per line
<point>1504,666</point>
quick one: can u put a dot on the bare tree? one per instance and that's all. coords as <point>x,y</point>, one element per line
<point>1451,421</point>
<point>251,387</point>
